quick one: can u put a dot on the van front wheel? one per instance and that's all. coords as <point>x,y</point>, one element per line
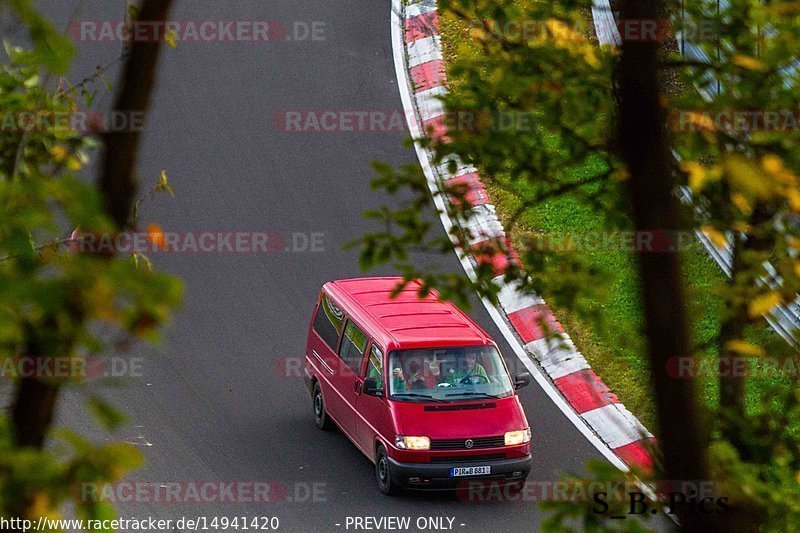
<point>383,474</point>
<point>321,418</point>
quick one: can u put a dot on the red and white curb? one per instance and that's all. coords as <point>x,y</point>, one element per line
<point>562,371</point>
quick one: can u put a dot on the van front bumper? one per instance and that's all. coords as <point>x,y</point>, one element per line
<point>437,475</point>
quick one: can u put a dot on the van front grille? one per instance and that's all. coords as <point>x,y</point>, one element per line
<point>464,444</point>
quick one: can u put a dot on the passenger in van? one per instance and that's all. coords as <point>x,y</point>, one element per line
<point>425,376</point>
<point>398,380</point>
<point>419,376</point>
<point>468,366</point>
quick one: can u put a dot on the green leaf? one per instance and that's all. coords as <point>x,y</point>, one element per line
<point>106,414</point>
<point>51,49</point>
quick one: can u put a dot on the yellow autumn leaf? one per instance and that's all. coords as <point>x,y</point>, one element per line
<point>171,38</point>
<point>590,57</point>
<point>796,267</point>
<point>559,31</point>
<point>696,173</point>
<point>748,62</point>
<point>744,348</point>
<point>772,163</point>
<point>763,304</point>
<point>742,203</point>
<point>700,175</point>
<point>716,236</point>
<point>741,226</point>
<point>40,506</point>
<point>748,177</point>
<point>774,166</point>
<point>793,197</point>
<point>73,163</point>
<point>59,153</point>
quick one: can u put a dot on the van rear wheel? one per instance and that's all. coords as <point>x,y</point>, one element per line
<point>383,474</point>
<point>321,418</point>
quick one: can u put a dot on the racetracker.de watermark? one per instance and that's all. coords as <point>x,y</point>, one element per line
<point>578,491</point>
<point>74,367</point>
<point>293,366</point>
<point>205,242</point>
<point>732,367</point>
<point>316,121</point>
<point>629,30</point>
<point>88,121</point>
<point>395,120</point>
<point>202,31</point>
<point>735,120</point>
<point>203,492</point>
<point>655,241</point>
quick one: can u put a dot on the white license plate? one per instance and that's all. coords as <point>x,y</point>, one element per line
<point>470,471</point>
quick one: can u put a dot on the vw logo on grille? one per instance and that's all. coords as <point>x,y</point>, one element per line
<point>468,443</point>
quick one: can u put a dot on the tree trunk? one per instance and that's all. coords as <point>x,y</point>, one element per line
<point>32,411</point>
<point>644,147</point>
<point>117,178</point>
<point>748,256</point>
<point>35,399</point>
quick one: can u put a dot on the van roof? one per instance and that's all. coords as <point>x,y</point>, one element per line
<point>407,320</point>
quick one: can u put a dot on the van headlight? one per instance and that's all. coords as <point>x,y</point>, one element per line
<point>518,437</point>
<point>412,443</point>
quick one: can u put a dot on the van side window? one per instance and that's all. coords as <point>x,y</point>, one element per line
<point>375,365</point>
<point>328,323</point>
<point>354,345</point>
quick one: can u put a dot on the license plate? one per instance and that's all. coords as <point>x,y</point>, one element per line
<point>470,471</point>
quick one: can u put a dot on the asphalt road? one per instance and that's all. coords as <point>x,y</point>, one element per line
<point>209,404</point>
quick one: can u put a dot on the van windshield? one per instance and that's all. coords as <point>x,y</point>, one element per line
<point>448,374</point>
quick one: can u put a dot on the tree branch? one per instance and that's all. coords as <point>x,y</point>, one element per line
<point>117,179</point>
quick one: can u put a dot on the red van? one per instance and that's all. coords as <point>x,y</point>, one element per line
<point>417,386</point>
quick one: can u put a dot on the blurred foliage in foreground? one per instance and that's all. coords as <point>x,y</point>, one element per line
<point>57,306</point>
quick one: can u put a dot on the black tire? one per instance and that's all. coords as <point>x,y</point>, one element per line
<point>383,474</point>
<point>321,418</point>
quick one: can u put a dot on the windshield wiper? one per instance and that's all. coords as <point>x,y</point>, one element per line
<point>468,393</point>
<point>418,395</point>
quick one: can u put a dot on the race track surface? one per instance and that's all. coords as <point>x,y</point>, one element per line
<point>210,403</point>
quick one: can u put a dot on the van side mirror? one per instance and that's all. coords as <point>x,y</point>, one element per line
<point>371,388</point>
<point>522,380</point>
